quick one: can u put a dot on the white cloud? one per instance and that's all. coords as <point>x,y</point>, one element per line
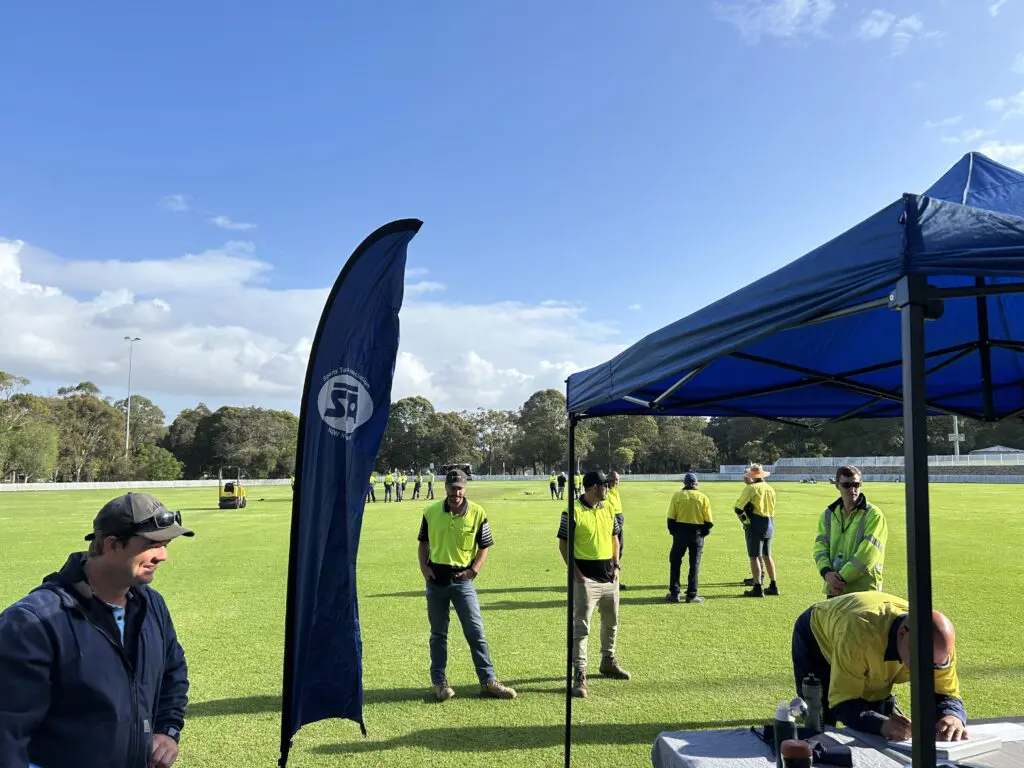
<point>1018,64</point>
<point>876,25</point>
<point>946,122</point>
<point>635,307</point>
<point>907,31</point>
<point>1009,107</point>
<point>226,223</point>
<point>62,320</point>
<point>1008,154</point>
<point>996,7</point>
<point>966,137</point>
<point>416,271</point>
<point>424,286</point>
<point>784,19</point>
<point>177,203</point>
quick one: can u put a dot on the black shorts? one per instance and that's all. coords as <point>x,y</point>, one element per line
<point>759,536</point>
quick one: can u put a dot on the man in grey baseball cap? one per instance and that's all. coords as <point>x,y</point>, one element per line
<point>94,620</point>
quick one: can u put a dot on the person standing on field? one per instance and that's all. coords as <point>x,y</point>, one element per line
<point>562,480</point>
<point>553,486</point>
<point>91,671</point>
<point>849,550</point>
<point>756,510</point>
<point>689,522</point>
<point>371,492</point>
<point>596,573</point>
<point>417,484</point>
<point>454,540</point>
<point>430,485</point>
<point>389,484</point>
<point>614,501</point>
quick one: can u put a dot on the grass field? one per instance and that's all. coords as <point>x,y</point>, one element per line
<point>725,662</point>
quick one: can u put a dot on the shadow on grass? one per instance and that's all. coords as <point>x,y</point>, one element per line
<point>252,705</point>
<point>559,589</point>
<point>486,591</point>
<point>497,738</point>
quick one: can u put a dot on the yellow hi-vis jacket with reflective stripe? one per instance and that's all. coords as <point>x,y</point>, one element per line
<point>852,545</point>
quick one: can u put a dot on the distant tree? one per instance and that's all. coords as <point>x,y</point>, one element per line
<point>180,440</point>
<point>33,450</point>
<point>543,430</point>
<point>155,463</point>
<point>623,457</point>
<point>91,432</point>
<point>147,423</point>
<point>497,432</point>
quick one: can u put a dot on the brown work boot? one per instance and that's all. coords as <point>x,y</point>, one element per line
<point>579,684</point>
<point>443,691</point>
<point>610,668</point>
<point>495,689</point>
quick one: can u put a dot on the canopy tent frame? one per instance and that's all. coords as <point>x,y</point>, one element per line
<point>967,227</point>
<point>917,302</point>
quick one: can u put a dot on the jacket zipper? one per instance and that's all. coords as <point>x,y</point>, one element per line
<point>133,746</point>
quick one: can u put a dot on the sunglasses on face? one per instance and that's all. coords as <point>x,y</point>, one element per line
<point>849,484</point>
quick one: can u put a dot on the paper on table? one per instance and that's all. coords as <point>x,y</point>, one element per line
<point>954,750</point>
<point>1004,731</point>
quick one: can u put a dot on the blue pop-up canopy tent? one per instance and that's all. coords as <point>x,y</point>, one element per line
<point>841,333</point>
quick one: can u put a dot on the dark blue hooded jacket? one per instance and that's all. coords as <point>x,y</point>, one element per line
<point>71,694</point>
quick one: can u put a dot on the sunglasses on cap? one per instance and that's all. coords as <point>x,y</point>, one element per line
<point>848,484</point>
<point>163,519</point>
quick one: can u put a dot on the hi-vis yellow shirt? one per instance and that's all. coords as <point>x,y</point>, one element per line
<point>552,480</point>
<point>690,506</point>
<point>453,538</point>
<point>594,529</point>
<point>373,479</point>
<point>853,632</point>
<point>389,479</point>
<point>761,498</point>
<point>614,501</point>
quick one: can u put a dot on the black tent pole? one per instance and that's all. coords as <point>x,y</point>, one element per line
<point>570,564</point>
<point>911,297</point>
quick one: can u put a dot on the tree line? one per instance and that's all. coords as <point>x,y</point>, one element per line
<point>79,435</point>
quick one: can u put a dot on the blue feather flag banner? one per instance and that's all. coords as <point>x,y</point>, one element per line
<point>345,404</point>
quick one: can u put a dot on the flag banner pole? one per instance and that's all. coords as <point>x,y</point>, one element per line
<point>344,411</point>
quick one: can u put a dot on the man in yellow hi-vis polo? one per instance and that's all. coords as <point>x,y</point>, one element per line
<point>454,539</point>
<point>689,522</point>
<point>596,554</point>
<point>371,491</point>
<point>858,646</point>
<point>553,485</point>
<point>756,510</point>
<point>389,484</point>
<point>430,485</point>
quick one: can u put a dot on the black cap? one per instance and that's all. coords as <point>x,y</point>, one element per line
<point>594,477</point>
<point>456,477</point>
<point>140,514</point>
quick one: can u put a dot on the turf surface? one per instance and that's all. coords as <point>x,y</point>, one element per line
<point>725,662</point>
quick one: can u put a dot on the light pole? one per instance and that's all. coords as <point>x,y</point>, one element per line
<point>128,410</point>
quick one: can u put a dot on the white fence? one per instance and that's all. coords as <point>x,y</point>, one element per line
<point>129,485</point>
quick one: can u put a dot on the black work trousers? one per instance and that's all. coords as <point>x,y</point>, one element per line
<point>687,538</point>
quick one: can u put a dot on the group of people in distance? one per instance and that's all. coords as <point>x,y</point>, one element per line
<point>557,483</point>
<point>395,482</point>
<point>92,672</point>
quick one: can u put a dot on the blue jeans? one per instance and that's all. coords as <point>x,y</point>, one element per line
<point>461,595</point>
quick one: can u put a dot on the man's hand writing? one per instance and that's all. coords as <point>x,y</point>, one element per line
<point>896,728</point>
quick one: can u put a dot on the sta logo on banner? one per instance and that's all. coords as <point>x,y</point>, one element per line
<point>345,403</point>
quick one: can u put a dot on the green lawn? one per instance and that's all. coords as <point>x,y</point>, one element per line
<point>694,666</point>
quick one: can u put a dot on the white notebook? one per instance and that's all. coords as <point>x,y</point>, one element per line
<point>956,750</point>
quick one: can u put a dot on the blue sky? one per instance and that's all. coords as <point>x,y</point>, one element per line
<point>197,173</point>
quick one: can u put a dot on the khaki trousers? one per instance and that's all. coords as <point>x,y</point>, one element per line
<point>587,596</point>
